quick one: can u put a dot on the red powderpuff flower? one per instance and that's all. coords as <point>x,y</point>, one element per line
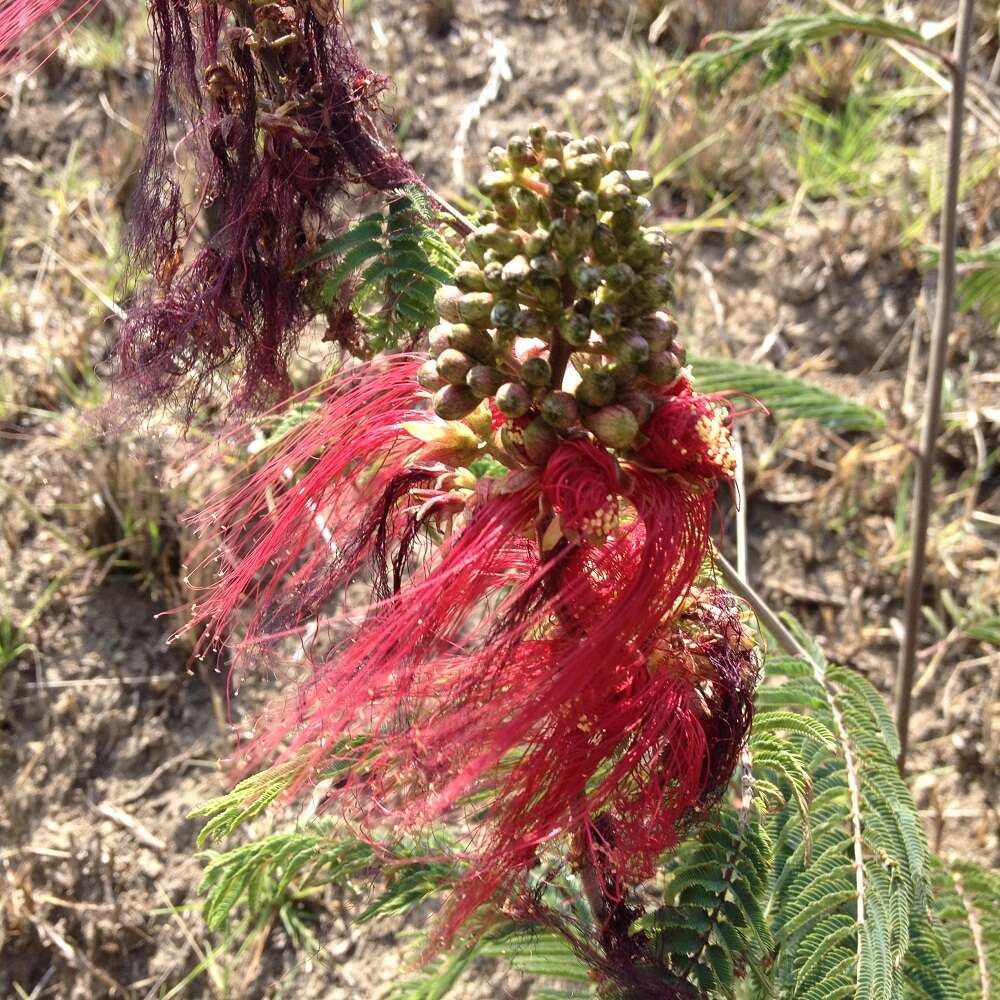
<point>539,661</point>
<point>308,513</point>
<point>689,434</point>
<point>582,481</point>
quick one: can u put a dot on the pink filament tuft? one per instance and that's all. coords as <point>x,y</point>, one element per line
<point>18,19</point>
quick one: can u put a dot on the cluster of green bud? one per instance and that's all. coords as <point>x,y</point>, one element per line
<point>559,273</point>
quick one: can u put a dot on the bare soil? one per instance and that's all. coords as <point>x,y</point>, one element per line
<point>108,741</point>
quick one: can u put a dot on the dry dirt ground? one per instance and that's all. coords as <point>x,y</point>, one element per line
<point>107,742</point>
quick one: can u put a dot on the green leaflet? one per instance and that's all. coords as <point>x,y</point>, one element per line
<point>393,262</point>
<point>978,280</point>
<point>780,42</point>
<point>785,397</point>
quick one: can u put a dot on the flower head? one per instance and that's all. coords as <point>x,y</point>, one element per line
<point>582,482</point>
<point>689,434</point>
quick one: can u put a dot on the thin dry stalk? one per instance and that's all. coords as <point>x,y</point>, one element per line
<point>935,381</point>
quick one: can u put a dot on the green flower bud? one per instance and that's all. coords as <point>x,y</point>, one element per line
<point>619,277</point>
<point>552,145</point>
<point>428,377</point>
<point>594,145</point>
<point>469,277</point>
<point>517,271</point>
<point>596,388</point>
<point>546,266</point>
<point>620,155</point>
<point>651,292</point>
<point>640,403</point>
<point>585,168</point>
<point>585,277</point>
<point>502,240</point>
<point>476,343</point>
<point>632,349</point>
<point>538,242</point>
<point>439,338</point>
<point>547,292</point>
<point>495,182</point>
<point>644,251</point>
<point>613,197</point>
<point>497,158</point>
<point>474,248</point>
<point>493,276</point>
<point>574,147</point>
<point>552,170</point>
<point>582,227</point>
<point>623,372</point>
<point>614,426</point>
<point>565,192</point>
<point>453,366</point>
<point>639,181</point>
<point>575,330</point>
<point>484,380</point>
<point>537,133</point>
<point>518,151</point>
<point>661,285</point>
<point>536,372</point>
<point>604,318</point>
<point>586,203</point>
<point>658,329</point>
<point>662,368</point>
<point>561,233</point>
<point>446,303</point>
<point>604,243</point>
<point>540,440</point>
<point>506,210</point>
<point>529,208</point>
<point>474,308</point>
<point>504,314</point>
<point>560,410</point>
<point>513,400</point>
<point>454,402</point>
<point>531,323</point>
<point>624,224</point>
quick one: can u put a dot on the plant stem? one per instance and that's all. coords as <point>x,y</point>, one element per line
<point>935,380</point>
<point>765,615</point>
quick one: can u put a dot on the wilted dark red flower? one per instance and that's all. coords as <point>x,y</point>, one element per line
<point>582,482</point>
<point>275,109</point>
<point>689,434</point>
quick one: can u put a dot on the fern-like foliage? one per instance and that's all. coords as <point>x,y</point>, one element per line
<point>712,925</point>
<point>557,972</point>
<point>978,280</point>
<point>393,262</point>
<point>811,880</point>
<point>785,397</point>
<point>251,797</point>
<point>966,951</point>
<point>780,42</point>
<point>850,883</point>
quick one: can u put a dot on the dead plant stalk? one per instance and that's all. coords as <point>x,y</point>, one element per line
<point>925,458</point>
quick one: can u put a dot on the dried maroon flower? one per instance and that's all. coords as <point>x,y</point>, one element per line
<point>279,114</point>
